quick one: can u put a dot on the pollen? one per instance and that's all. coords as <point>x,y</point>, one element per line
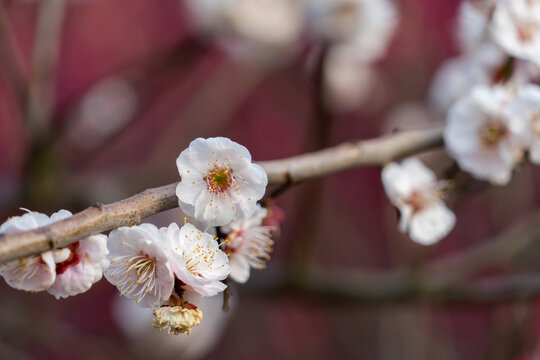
<point>218,180</point>
<point>492,132</point>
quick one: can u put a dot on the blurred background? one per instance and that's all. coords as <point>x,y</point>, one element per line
<point>98,98</point>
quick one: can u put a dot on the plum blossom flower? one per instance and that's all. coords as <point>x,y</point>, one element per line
<point>271,22</point>
<point>33,273</point>
<point>480,134</point>
<point>62,272</point>
<point>348,79</point>
<point>526,109</point>
<point>516,28</point>
<point>139,265</point>
<point>133,321</point>
<point>457,76</point>
<point>364,24</point>
<point>415,191</point>
<point>486,65</point>
<point>197,260</point>
<point>82,267</point>
<point>250,28</point>
<point>248,244</point>
<point>219,183</point>
<point>177,319</point>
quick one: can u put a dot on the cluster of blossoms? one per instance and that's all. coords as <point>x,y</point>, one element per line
<point>492,106</point>
<point>171,268</point>
<point>355,33</point>
<point>492,110</point>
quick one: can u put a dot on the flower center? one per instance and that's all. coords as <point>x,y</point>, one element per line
<point>200,259</point>
<point>419,200</point>
<point>23,268</point>
<point>135,276</point>
<point>254,244</point>
<point>492,132</point>
<point>527,29</point>
<point>218,180</point>
<point>347,11</point>
<point>345,17</point>
<point>74,259</point>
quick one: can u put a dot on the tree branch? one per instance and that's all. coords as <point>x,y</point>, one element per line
<point>444,281</point>
<point>488,291</point>
<point>375,152</point>
<point>130,211</point>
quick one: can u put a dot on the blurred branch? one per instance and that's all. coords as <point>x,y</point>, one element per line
<point>441,281</point>
<point>301,252</point>
<point>132,210</point>
<point>338,291</point>
<point>44,63</point>
<point>43,166</point>
<point>10,57</point>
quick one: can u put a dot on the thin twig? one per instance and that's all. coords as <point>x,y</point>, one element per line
<point>132,210</point>
<point>44,64</point>
<point>337,292</point>
<point>443,281</point>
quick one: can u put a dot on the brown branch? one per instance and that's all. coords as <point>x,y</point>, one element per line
<point>376,152</point>
<point>132,210</point>
<point>443,281</point>
<point>334,292</point>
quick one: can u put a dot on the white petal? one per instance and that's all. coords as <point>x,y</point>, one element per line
<point>240,269</point>
<point>432,224</point>
<point>35,273</point>
<point>60,215</point>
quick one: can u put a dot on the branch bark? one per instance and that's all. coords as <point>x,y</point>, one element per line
<point>131,211</point>
<point>375,152</point>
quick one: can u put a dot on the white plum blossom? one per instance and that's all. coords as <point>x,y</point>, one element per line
<point>197,260</point>
<point>33,273</point>
<point>105,109</point>
<point>219,182</point>
<point>526,109</point>
<point>83,267</point>
<point>270,22</point>
<point>348,80</point>
<point>486,65</point>
<point>473,23</point>
<point>248,244</point>
<point>177,319</point>
<point>516,28</point>
<point>457,76</point>
<point>62,272</point>
<point>364,24</point>
<point>151,344</point>
<point>249,28</point>
<point>415,191</point>
<point>480,134</point>
<point>139,264</point>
